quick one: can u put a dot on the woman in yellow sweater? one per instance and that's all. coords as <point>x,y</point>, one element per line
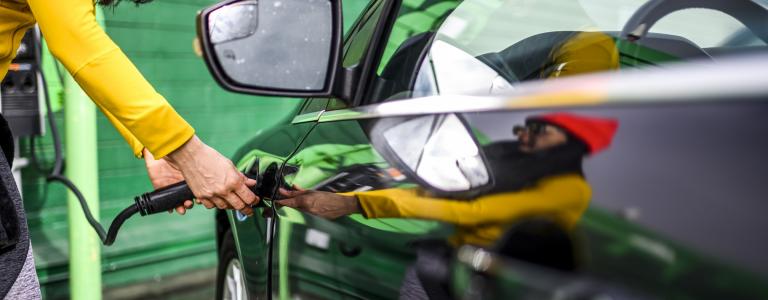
<point>148,123</point>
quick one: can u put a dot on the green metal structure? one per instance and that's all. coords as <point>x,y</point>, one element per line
<point>84,245</point>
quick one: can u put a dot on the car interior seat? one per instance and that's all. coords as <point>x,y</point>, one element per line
<point>535,57</point>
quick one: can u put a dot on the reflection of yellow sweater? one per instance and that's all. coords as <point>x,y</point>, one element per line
<point>141,115</point>
<point>483,220</point>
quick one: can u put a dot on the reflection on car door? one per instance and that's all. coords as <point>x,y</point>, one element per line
<point>263,155</point>
<point>351,256</point>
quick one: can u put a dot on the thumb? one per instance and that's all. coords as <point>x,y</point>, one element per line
<point>250,181</point>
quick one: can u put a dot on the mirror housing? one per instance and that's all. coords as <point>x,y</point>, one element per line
<point>289,48</point>
<point>439,152</point>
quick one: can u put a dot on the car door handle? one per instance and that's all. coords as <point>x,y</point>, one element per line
<point>348,250</point>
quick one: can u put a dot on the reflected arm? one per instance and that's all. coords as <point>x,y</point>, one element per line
<point>565,196</point>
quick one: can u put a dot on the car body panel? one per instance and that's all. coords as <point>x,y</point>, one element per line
<point>326,146</point>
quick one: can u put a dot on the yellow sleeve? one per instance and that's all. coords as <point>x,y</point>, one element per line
<point>567,194</point>
<point>132,141</point>
<point>143,117</point>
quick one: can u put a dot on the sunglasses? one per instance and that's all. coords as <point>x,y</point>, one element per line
<point>530,128</point>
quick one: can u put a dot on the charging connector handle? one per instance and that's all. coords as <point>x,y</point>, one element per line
<point>172,196</point>
<point>164,199</point>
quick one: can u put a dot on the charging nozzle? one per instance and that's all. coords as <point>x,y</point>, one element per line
<point>163,199</point>
<point>160,200</point>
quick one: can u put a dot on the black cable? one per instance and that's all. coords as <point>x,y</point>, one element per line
<point>107,238</point>
<point>71,186</point>
<point>57,152</point>
<point>119,220</point>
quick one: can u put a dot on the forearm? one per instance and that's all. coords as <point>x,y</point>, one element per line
<point>567,197</point>
<point>136,146</point>
<point>108,77</point>
<point>407,203</point>
<point>134,103</point>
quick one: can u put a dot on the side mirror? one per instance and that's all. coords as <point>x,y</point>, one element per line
<point>438,151</point>
<point>273,47</point>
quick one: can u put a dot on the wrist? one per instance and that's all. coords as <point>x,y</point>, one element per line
<point>354,205</point>
<point>187,151</point>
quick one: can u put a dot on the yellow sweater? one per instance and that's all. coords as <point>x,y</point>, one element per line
<point>143,117</point>
<point>483,220</point>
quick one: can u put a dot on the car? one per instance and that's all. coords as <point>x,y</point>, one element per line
<point>414,95</point>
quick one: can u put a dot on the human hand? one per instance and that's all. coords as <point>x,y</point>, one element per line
<point>324,204</point>
<point>213,178</point>
<point>162,173</point>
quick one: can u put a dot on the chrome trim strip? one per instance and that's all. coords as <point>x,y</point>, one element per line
<point>744,77</point>
<point>308,117</point>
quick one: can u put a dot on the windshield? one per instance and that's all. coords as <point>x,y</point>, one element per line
<point>488,46</point>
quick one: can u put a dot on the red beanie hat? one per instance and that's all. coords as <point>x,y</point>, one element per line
<point>596,133</point>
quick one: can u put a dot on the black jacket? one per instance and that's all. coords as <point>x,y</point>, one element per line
<point>14,239</point>
<point>9,227</point>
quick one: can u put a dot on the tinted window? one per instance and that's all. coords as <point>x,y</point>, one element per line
<point>354,47</point>
<point>489,46</point>
<point>313,105</point>
<point>358,40</point>
<point>406,47</point>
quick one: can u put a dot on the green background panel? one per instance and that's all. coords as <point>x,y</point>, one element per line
<point>158,39</point>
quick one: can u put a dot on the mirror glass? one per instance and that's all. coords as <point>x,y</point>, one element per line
<point>440,150</point>
<point>273,44</point>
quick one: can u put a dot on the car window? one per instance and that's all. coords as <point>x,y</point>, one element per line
<point>313,105</point>
<point>335,104</point>
<point>705,28</point>
<point>358,37</point>
<point>357,42</point>
<point>489,46</point>
<point>409,37</point>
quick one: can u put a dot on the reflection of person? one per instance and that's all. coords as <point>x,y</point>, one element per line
<point>143,117</point>
<point>555,54</point>
<point>538,175</point>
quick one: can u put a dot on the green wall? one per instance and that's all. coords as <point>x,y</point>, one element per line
<point>158,39</point>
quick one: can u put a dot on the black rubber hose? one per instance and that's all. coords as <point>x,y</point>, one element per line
<point>106,238</point>
<point>119,220</point>
<point>58,165</point>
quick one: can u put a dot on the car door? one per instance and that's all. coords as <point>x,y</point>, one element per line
<point>263,156</point>
<point>266,155</point>
<point>337,156</point>
<point>304,260</point>
<point>483,274</point>
<point>361,258</point>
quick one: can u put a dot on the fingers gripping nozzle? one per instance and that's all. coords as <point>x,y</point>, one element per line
<point>172,196</point>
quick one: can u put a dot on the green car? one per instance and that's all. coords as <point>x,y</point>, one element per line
<point>418,91</point>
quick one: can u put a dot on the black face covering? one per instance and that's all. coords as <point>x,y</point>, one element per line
<point>515,170</point>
